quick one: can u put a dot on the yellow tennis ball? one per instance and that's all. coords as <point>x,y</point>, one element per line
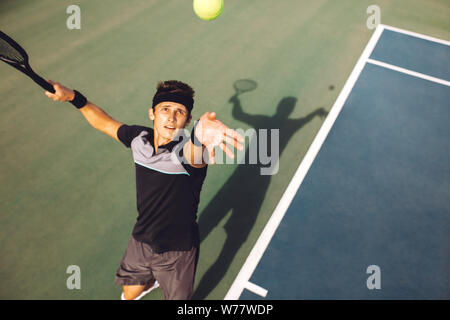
<point>208,9</point>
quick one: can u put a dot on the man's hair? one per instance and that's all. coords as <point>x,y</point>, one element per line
<point>176,91</point>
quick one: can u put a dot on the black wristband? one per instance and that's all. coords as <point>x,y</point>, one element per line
<point>79,101</point>
<point>194,139</point>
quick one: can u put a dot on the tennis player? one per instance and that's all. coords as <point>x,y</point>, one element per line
<point>170,170</point>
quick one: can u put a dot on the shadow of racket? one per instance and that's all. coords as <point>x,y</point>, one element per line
<point>244,85</point>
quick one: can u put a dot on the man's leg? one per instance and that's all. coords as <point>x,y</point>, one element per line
<point>133,274</point>
<point>175,271</point>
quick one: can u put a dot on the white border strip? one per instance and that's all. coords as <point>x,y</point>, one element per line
<point>242,280</point>
<point>409,72</point>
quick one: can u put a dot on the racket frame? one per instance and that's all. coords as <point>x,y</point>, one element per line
<point>25,65</point>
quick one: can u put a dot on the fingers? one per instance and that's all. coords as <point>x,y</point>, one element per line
<point>233,142</point>
<point>211,115</point>
<point>53,96</point>
<point>227,150</point>
<point>211,155</point>
<point>49,94</point>
<point>214,133</point>
<point>233,138</point>
<point>234,135</point>
<point>208,116</point>
<point>61,93</point>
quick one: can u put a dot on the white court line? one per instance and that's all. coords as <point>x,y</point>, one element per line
<point>410,72</point>
<point>242,280</point>
<point>256,289</point>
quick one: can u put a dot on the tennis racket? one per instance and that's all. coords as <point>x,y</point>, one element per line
<point>14,55</point>
<point>244,85</point>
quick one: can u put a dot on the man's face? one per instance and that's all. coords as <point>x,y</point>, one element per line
<point>168,118</point>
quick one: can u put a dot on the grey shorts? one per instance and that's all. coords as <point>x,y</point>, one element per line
<point>174,270</point>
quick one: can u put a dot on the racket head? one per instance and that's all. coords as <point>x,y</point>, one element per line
<point>244,85</point>
<point>14,55</point>
<point>11,52</point>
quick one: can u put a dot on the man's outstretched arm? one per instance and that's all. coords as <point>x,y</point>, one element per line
<point>96,117</point>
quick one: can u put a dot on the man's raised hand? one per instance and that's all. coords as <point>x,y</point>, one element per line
<point>212,132</point>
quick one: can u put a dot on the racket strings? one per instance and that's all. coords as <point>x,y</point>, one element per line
<point>9,53</point>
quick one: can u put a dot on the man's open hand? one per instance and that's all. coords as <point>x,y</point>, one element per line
<point>212,132</point>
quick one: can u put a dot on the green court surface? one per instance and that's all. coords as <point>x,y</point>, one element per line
<point>68,191</point>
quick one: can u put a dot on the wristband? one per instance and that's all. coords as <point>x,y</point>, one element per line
<point>194,139</point>
<point>79,101</point>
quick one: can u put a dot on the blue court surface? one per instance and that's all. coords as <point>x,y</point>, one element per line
<point>367,214</point>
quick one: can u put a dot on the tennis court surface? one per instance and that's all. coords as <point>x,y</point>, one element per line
<point>372,184</point>
<point>367,215</point>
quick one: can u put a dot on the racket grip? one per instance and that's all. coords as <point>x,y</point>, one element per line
<point>44,84</point>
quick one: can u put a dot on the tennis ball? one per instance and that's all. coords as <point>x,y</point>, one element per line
<point>208,9</point>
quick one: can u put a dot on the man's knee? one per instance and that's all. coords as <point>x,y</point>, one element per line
<point>131,292</point>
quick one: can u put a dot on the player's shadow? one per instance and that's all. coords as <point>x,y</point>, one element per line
<point>244,192</point>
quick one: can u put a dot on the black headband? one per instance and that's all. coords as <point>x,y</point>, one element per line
<point>177,97</point>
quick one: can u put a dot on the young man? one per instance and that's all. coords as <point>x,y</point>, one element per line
<point>170,170</point>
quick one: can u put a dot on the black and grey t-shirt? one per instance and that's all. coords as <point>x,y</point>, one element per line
<point>167,191</point>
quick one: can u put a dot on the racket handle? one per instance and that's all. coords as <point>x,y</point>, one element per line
<point>44,84</point>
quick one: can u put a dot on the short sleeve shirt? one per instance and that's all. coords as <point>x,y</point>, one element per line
<point>167,191</point>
